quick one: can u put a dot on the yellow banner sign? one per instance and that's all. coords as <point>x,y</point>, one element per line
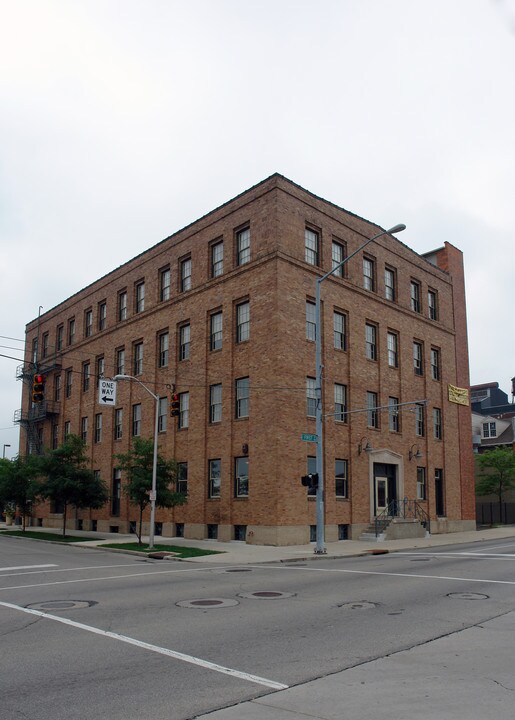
<point>458,395</point>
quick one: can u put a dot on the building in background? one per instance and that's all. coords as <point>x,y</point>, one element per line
<point>223,311</point>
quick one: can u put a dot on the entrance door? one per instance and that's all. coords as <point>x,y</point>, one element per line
<point>381,494</point>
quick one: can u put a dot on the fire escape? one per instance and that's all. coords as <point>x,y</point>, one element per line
<point>33,418</point>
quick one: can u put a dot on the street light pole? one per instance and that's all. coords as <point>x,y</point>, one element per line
<point>3,455</point>
<point>153,492</point>
<point>320,548</point>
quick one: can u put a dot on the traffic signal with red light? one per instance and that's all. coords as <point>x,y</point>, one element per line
<point>175,405</point>
<point>38,388</point>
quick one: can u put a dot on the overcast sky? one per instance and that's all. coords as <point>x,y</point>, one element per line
<point>121,121</point>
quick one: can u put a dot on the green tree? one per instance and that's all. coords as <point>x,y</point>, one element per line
<point>137,464</point>
<point>67,478</point>
<point>498,473</point>
<point>18,484</point>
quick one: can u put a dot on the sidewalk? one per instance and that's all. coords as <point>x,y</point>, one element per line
<point>240,553</point>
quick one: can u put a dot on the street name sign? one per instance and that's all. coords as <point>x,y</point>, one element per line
<point>309,438</point>
<point>106,392</point>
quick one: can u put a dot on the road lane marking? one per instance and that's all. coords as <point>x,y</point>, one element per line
<point>114,577</point>
<point>72,569</point>
<point>153,648</point>
<point>24,567</point>
<point>391,574</point>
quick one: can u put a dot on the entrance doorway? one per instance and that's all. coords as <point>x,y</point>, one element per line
<point>385,486</point>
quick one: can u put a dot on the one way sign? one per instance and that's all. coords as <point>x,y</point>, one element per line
<point>106,392</point>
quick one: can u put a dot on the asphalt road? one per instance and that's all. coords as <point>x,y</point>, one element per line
<point>87,634</point>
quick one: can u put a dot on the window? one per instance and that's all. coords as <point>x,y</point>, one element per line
<point>163,340</point>
<point>421,483</point>
<point>437,423</point>
<point>185,270</point>
<point>311,397</point>
<point>184,410</point>
<point>45,345</point>
<point>86,374</point>
<point>120,361</point>
<point>214,478</point>
<point>102,315</point>
<point>393,414</point>
<point>489,430</point>
<point>184,342</point>
<point>311,250</point>
<point>182,478</point>
<point>118,424</point>
<point>432,304</point>
<point>369,274</point>
<point>57,388</point>
<point>88,323</point>
<point>243,246</point>
<point>55,436</point>
<point>122,305</point>
<point>311,327</point>
<point>242,322</point>
<point>415,297</point>
<point>164,284</point>
<point>372,411</point>
<point>340,335</point>
<point>215,403</point>
<point>84,429</point>
<point>340,402</point>
<point>35,350</point>
<point>116,492</point>
<point>338,256</point>
<point>392,349</point>
<point>389,284</point>
<point>136,420</point>
<point>137,365</point>
<point>67,428</point>
<point>100,369</point>
<point>68,383</point>
<point>139,297</point>
<point>371,341</point>
<point>418,363</point>
<point>419,420</point>
<point>215,332</point>
<point>242,397</point>
<point>162,414</point>
<point>217,259</point>
<point>98,427</point>
<point>71,331</point>
<point>59,337</point>
<point>435,364</point>
<point>241,477</point>
<point>341,478</point>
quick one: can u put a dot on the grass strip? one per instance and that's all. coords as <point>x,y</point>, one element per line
<point>180,551</point>
<point>34,535</point>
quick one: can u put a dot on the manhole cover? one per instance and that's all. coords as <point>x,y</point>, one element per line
<point>61,605</point>
<point>359,605</point>
<point>266,595</point>
<point>207,603</point>
<point>468,596</point>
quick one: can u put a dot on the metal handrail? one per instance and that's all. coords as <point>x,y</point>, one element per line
<point>405,509</point>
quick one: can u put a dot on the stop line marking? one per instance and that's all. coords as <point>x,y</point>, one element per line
<point>153,648</point>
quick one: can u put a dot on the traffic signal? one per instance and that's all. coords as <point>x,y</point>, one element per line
<point>38,388</point>
<point>310,481</point>
<point>175,405</point>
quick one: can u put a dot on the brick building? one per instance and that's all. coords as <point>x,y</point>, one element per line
<point>224,309</point>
